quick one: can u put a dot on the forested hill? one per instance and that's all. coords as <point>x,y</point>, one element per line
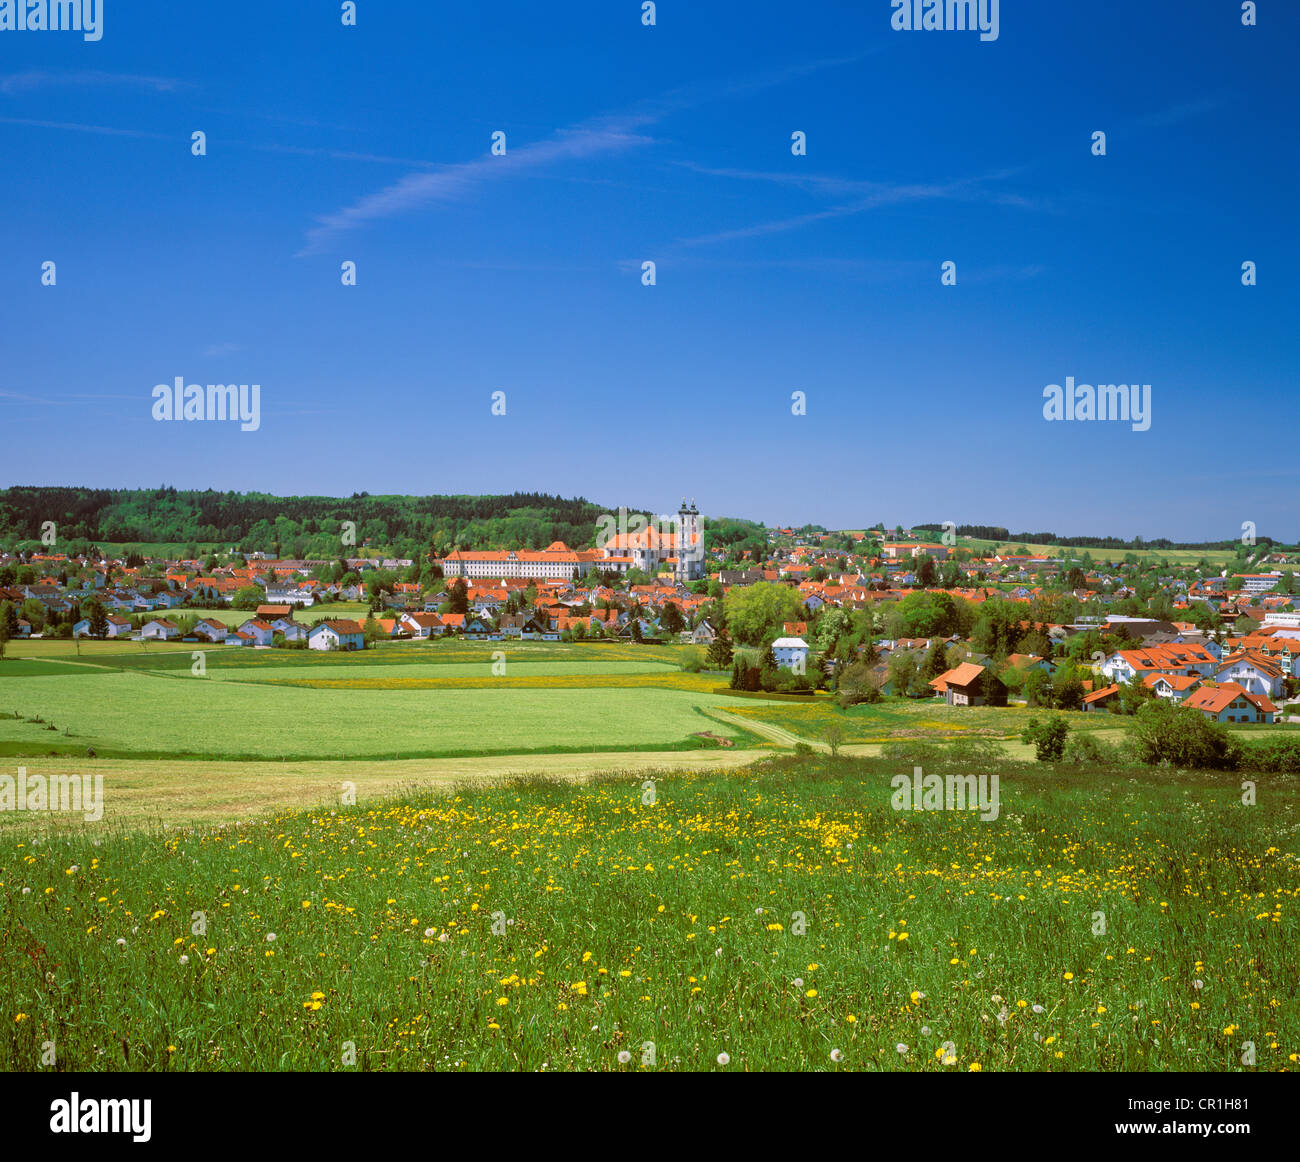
<point>296,526</point>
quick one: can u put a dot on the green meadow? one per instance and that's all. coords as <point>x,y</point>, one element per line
<point>151,715</point>
<point>778,917</point>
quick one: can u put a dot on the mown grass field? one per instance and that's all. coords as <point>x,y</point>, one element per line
<point>418,700</point>
<point>151,715</point>
<point>548,927</point>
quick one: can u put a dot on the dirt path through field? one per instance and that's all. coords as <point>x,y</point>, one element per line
<point>776,734</point>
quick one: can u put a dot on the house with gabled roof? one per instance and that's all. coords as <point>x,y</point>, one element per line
<point>160,629</point>
<point>290,630</point>
<point>1173,687</point>
<point>260,631</point>
<point>1102,699</point>
<point>452,622</point>
<point>336,634</point>
<point>1193,660</point>
<point>1228,702</point>
<point>422,625</point>
<point>1253,672</point>
<point>211,629</point>
<point>970,685</point>
<point>704,633</point>
<point>791,653</point>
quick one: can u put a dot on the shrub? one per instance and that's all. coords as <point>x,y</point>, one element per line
<point>693,660</point>
<point>1277,755</point>
<point>1165,733</point>
<point>1086,749</point>
<point>857,685</point>
<point>972,752</point>
<point>1048,736</point>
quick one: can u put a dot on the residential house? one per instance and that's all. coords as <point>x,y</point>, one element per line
<point>211,629</point>
<point>290,630</point>
<point>260,631</point>
<point>337,634</point>
<point>1228,702</point>
<point>1173,687</point>
<point>1103,699</point>
<point>970,685</point>
<point>791,653</point>
<point>1253,672</point>
<point>704,633</point>
<point>1193,660</point>
<point>422,625</point>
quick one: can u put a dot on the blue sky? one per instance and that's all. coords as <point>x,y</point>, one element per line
<point>776,273</point>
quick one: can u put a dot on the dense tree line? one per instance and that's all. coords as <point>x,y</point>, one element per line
<point>1002,535</point>
<point>296,526</point>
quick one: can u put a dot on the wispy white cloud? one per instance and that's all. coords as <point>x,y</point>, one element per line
<point>449,182</point>
<point>602,136</point>
<point>73,399</point>
<point>34,79</point>
<point>335,154</point>
<point>1173,114</point>
<point>873,196</point>
<point>866,195</point>
<point>77,127</point>
<point>216,350</point>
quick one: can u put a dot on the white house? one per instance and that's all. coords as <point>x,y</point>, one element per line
<point>791,653</point>
<point>290,595</point>
<point>160,630</point>
<point>421,625</point>
<point>1192,660</point>
<point>704,634</point>
<point>1253,672</point>
<point>117,627</point>
<point>336,635</point>
<point>260,631</point>
<point>1175,687</point>
<point>212,629</point>
<point>1260,582</point>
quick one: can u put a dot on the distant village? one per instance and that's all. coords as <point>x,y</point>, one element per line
<point>866,614</point>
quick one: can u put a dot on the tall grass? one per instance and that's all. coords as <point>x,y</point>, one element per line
<point>1134,921</point>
